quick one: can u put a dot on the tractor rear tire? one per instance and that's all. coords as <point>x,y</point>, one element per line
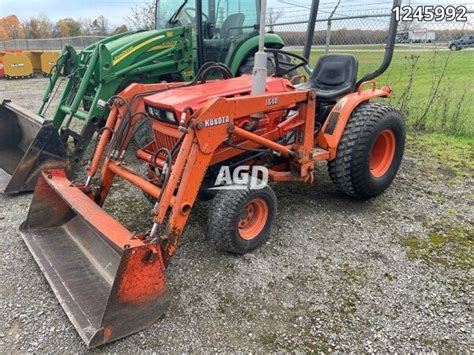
<point>248,64</point>
<point>240,221</point>
<point>370,151</point>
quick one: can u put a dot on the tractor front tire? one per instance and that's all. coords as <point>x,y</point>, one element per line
<point>370,151</point>
<point>240,221</point>
<point>143,133</point>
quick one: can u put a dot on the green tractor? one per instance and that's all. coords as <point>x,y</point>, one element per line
<point>188,35</point>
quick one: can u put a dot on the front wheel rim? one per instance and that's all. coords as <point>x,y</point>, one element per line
<point>383,153</point>
<point>253,219</point>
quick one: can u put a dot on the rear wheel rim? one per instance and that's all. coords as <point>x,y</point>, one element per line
<point>253,219</point>
<point>382,154</point>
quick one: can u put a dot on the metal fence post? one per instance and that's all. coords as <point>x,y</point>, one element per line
<point>328,37</point>
<point>328,32</point>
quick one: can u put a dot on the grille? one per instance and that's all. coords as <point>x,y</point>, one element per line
<point>164,141</point>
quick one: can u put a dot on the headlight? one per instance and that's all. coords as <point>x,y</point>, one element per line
<point>162,115</point>
<point>170,116</point>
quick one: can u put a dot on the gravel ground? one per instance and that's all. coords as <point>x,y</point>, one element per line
<point>389,274</point>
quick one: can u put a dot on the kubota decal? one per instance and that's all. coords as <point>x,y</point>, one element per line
<point>216,121</point>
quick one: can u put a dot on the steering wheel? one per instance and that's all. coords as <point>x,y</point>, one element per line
<point>282,68</point>
<point>189,11</point>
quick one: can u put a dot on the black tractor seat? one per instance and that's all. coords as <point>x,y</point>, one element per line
<point>335,75</point>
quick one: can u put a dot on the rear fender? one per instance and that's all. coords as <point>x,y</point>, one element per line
<point>331,132</point>
<point>249,47</point>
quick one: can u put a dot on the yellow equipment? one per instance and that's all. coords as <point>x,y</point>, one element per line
<point>17,65</point>
<point>35,58</point>
<point>22,64</point>
<point>48,61</point>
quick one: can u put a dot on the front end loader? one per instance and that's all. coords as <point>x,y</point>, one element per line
<point>112,282</point>
<point>184,40</point>
<point>91,78</point>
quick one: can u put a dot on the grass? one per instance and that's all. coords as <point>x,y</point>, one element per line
<point>452,155</point>
<point>446,245</point>
<point>448,241</point>
<point>450,110</point>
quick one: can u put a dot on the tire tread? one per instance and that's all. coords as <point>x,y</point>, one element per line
<point>346,171</point>
<point>222,214</point>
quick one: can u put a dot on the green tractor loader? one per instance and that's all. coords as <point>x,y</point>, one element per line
<point>188,34</point>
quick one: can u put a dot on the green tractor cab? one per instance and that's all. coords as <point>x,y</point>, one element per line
<point>188,34</point>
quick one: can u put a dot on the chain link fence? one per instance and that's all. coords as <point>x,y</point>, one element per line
<point>358,25</point>
<point>43,44</point>
<point>344,23</point>
<point>364,33</point>
<point>432,66</point>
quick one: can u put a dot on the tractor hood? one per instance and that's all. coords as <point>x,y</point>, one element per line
<point>133,37</point>
<point>126,49</point>
<point>139,49</point>
<point>197,95</point>
<point>139,53</point>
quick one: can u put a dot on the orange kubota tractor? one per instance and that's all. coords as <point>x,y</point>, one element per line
<point>112,282</point>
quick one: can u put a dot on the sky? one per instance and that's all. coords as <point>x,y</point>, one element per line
<point>117,10</point>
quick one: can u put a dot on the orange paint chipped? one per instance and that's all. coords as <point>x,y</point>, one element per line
<point>142,276</point>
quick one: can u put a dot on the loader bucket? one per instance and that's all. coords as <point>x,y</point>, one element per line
<point>28,144</point>
<point>109,284</point>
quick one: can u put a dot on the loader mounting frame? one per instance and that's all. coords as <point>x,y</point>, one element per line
<point>196,154</point>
